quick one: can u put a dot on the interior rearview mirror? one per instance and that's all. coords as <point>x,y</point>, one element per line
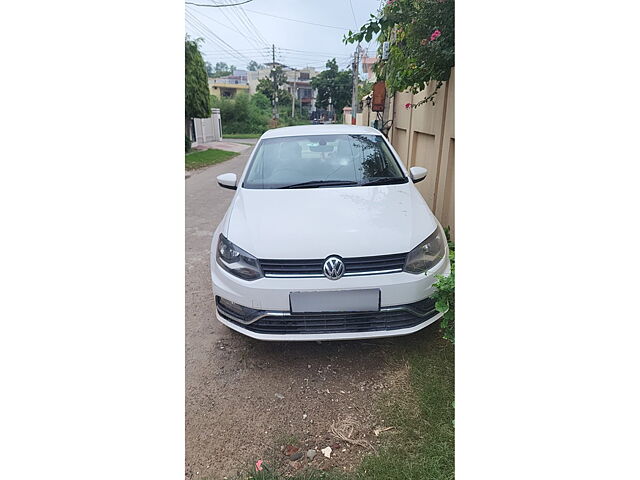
<point>228,180</point>
<point>418,174</point>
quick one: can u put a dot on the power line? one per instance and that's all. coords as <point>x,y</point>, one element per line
<point>259,34</point>
<point>249,33</point>
<point>355,22</point>
<point>215,39</point>
<point>299,21</point>
<point>218,6</point>
<point>219,40</point>
<point>309,51</point>
<point>255,38</point>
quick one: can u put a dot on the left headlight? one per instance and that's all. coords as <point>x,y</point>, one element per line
<point>427,254</point>
<point>236,261</point>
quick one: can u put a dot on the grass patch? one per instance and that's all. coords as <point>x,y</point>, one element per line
<point>241,135</point>
<point>424,446</point>
<point>206,157</point>
<point>421,446</point>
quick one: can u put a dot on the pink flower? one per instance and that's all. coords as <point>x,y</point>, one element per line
<point>423,42</point>
<point>435,35</point>
<point>407,105</point>
<point>258,465</point>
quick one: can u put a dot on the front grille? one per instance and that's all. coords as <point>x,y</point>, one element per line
<point>284,323</point>
<point>353,266</point>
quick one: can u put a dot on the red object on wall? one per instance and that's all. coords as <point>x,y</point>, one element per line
<point>378,96</point>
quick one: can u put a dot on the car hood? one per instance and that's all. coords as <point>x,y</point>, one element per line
<point>318,222</point>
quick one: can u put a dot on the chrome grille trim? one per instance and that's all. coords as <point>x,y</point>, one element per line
<point>312,268</point>
<point>315,275</point>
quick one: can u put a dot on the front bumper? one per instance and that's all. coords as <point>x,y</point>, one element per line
<point>405,306</point>
<point>275,325</point>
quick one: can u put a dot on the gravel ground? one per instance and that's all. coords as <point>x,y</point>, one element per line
<point>245,399</point>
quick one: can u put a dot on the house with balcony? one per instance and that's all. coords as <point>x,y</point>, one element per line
<point>230,85</point>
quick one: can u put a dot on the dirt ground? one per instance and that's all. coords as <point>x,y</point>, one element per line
<point>246,399</point>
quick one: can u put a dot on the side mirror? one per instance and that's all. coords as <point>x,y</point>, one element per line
<point>228,180</point>
<point>418,174</point>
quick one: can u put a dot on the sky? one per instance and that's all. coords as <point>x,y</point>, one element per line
<point>249,30</point>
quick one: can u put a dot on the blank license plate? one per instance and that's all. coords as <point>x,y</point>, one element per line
<point>367,300</point>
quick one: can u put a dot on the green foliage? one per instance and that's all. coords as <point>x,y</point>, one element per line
<point>206,157</point>
<point>445,296</point>
<point>187,144</point>
<point>364,89</point>
<point>196,87</point>
<point>267,87</point>
<point>242,136</point>
<point>253,66</point>
<point>221,69</point>
<point>243,113</point>
<point>422,43</point>
<point>335,85</point>
<point>261,101</point>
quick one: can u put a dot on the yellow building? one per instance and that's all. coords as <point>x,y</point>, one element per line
<point>228,87</point>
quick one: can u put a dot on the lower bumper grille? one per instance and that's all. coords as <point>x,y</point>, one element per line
<point>285,323</point>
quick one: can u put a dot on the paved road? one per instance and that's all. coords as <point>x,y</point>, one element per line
<point>245,398</point>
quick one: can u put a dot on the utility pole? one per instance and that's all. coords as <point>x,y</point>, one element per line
<point>293,96</point>
<point>354,93</point>
<point>275,84</point>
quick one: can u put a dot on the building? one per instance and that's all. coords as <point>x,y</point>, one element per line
<point>298,83</point>
<point>230,85</point>
<point>367,67</point>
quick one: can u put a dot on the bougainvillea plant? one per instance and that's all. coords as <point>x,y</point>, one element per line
<point>422,43</point>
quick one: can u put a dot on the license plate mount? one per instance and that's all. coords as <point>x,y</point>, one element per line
<point>361,300</point>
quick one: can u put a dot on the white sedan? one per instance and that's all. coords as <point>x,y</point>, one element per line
<point>326,238</point>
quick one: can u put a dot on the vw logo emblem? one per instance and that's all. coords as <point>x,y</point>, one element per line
<point>333,268</point>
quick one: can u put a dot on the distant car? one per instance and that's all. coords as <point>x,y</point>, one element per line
<point>326,238</point>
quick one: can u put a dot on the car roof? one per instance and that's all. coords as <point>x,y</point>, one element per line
<point>333,129</point>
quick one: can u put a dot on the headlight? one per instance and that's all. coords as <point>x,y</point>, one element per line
<point>427,254</point>
<point>236,261</point>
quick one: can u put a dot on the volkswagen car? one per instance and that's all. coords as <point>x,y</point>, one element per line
<point>326,238</point>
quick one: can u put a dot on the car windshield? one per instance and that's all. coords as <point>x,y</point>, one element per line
<point>318,161</point>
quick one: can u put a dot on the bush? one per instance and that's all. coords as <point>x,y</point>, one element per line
<point>243,113</point>
<point>419,51</point>
<point>445,296</point>
<point>187,144</point>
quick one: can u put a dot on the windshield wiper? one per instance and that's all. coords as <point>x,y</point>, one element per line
<point>320,183</point>
<point>386,181</point>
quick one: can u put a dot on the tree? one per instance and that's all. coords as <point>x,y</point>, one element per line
<point>420,51</point>
<point>222,69</point>
<point>254,66</point>
<point>333,85</point>
<point>364,89</point>
<point>243,113</point>
<point>196,87</point>
<point>267,88</point>
<point>209,69</point>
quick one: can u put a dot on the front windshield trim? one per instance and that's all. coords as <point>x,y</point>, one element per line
<point>385,149</point>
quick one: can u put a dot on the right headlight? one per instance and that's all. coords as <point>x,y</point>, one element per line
<point>427,254</point>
